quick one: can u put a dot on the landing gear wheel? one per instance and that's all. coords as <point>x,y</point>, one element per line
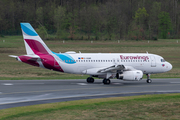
<point>106,81</point>
<point>149,81</point>
<point>148,78</point>
<point>90,80</point>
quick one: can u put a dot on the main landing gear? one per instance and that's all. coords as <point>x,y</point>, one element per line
<point>106,81</point>
<point>148,78</point>
<point>90,80</point>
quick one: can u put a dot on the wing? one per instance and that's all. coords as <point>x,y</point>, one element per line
<point>112,69</point>
<point>111,72</point>
<point>104,70</point>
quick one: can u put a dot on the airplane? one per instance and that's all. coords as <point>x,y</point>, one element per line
<point>123,66</point>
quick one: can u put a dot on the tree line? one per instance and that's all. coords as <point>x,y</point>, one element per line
<point>93,19</point>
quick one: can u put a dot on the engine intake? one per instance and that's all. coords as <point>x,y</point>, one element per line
<point>130,75</point>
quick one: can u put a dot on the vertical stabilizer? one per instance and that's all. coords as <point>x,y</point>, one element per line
<point>33,43</point>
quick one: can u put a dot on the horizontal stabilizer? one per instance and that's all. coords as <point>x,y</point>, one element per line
<point>33,56</point>
<point>13,56</point>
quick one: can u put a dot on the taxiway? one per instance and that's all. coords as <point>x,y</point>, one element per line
<point>15,93</point>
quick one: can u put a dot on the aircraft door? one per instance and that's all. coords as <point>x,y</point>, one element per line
<point>153,61</point>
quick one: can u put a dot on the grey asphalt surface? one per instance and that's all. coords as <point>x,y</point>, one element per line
<point>15,93</point>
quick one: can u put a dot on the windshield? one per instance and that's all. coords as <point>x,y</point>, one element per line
<point>162,60</point>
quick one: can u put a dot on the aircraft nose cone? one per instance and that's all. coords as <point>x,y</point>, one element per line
<point>169,66</point>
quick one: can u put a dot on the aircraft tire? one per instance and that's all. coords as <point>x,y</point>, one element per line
<point>106,81</point>
<point>90,80</point>
<point>149,81</point>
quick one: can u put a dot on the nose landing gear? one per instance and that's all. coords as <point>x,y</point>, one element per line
<point>148,78</point>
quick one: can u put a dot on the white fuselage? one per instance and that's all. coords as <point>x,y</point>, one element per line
<point>79,62</point>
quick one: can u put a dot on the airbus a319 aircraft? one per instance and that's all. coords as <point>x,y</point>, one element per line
<point>123,66</point>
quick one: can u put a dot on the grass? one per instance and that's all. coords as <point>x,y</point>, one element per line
<point>166,106</point>
<point>14,45</point>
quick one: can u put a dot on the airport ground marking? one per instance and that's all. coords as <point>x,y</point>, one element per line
<point>8,84</point>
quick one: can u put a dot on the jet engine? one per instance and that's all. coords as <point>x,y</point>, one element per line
<point>135,75</point>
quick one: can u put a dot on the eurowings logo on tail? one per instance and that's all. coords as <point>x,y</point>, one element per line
<point>38,54</point>
<point>33,43</point>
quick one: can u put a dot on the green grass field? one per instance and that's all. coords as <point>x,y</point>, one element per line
<point>14,45</point>
<point>151,107</point>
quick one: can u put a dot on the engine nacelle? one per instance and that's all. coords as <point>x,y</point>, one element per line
<point>130,75</point>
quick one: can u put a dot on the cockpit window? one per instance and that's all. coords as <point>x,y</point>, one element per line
<point>162,60</point>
